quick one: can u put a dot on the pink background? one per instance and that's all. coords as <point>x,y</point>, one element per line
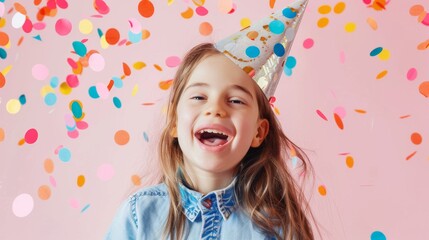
<point>381,196</point>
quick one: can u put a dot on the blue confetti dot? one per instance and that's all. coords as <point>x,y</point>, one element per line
<point>287,12</point>
<point>79,48</point>
<point>279,50</point>
<point>377,235</point>
<point>290,62</point>
<point>64,154</point>
<point>276,27</point>
<point>376,51</point>
<point>117,102</point>
<point>37,37</point>
<point>54,82</point>
<point>117,82</point>
<point>85,208</point>
<point>93,92</point>
<point>287,71</point>
<point>22,99</point>
<point>50,99</point>
<point>100,33</point>
<point>76,109</point>
<point>71,128</point>
<point>252,51</point>
<point>146,137</point>
<point>3,53</point>
<point>134,37</point>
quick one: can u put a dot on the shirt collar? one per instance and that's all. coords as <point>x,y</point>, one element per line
<point>192,201</point>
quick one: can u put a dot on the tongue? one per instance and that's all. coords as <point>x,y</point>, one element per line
<point>213,141</point>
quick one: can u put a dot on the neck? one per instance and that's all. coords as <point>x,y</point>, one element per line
<point>205,182</point>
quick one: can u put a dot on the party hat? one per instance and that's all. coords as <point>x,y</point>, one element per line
<point>261,49</point>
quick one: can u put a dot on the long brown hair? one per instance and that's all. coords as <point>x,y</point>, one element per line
<point>266,190</point>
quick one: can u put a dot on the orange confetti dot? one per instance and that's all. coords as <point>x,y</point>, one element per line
<point>165,85</point>
<point>272,2</point>
<point>112,36</point>
<point>21,142</point>
<point>421,17</point>
<point>350,161</point>
<point>127,70</point>
<point>323,22</point>
<point>146,8</point>
<point>80,180</point>
<point>20,8</point>
<point>110,85</point>
<point>48,165</point>
<point>44,192</point>
<point>423,45</point>
<point>2,80</point>
<point>20,41</point>
<point>324,9</point>
<point>372,23</point>
<point>378,5</point>
<point>360,111</point>
<point>381,74</point>
<point>136,180</point>
<point>338,121</point>
<point>145,34</point>
<point>206,28</point>
<point>157,67</point>
<point>416,138</point>
<point>339,7</point>
<point>405,116</point>
<point>4,39</point>
<point>122,137</point>
<point>37,2</point>
<point>411,155</point>
<point>416,10</point>
<point>322,190</point>
<point>188,13</point>
<point>1,134</point>
<point>424,88</point>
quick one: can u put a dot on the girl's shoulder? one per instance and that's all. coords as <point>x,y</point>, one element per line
<point>150,192</point>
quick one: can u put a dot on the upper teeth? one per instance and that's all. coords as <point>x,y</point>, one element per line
<point>212,131</point>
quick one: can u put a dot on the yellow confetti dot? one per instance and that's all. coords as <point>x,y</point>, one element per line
<point>80,180</point>
<point>350,27</point>
<point>139,65</point>
<point>349,161</point>
<point>245,22</point>
<point>199,2</point>
<point>339,7</point>
<point>384,54</point>
<point>103,42</point>
<point>2,22</point>
<point>85,26</point>
<point>135,90</point>
<point>323,22</point>
<point>324,9</point>
<point>382,74</point>
<point>372,23</point>
<point>170,2</point>
<point>45,90</point>
<point>6,70</point>
<point>13,106</point>
<point>65,88</point>
<point>322,190</point>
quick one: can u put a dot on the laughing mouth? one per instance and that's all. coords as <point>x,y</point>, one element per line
<point>212,137</point>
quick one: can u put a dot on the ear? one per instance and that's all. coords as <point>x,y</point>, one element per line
<point>173,132</point>
<point>262,132</point>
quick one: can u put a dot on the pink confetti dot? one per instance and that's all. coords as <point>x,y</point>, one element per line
<point>96,62</point>
<point>72,80</point>
<point>23,205</point>
<point>74,203</point>
<point>367,1</point>
<point>40,72</point>
<point>321,115</point>
<point>412,74</point>
<point>82,125</point>
<point>135,25</point>
<point>63,26</point>
<point>308,43</point>
<point>31,136</point>
<point>342,57</point>
<point>425,20</point>
<point>53,181</point>
<point>39,25</point>
<point>105,172</point>
<point>73,134</point>
<point>225,6</point>
<point>201,11</point>
<point>28,26</point>
<point>340,111</point>
<point>172,61</point>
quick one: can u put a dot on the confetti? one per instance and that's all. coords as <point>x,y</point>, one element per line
<point>44,192</point>
<point>339,7</point>
<point>85,208</point>
<point>4,39</point>
<point>323,22</point>
<point>339,121</point>
<point>122,137</point>
<point>112,36</point>
<point>382,74</point>
<point>321,115</point>
<point>324,9</point>
<point>205,28</point>
<point>350,161</point>
<point>322,190</point>
<point>101,7</point>
<point>165,85</point>
<point>18,20</point>
<point>377,235</point>
<point>2,135</point>
<point>424,89</point>
<point>40,72</point>
<point>63,27</point>
<point>85,26</point>
<point>48,165</point>
<point>146,8</point>
<point>172,61</point>
<point>308,43</point>
<point>136,180</point>
<point>188,13</point>
<point>80,181</point>
<point>372,23</point>
<point>350,27</point>
<point>64,154</point>
<point>22,205</point>
<point>13,106</point>
<point>31,136</point>
<point>225,6</point>
<point>411,155</point>
<point>201,11</point>
<point>79,48</point>
<point>245,22</point>
<point>416,138</point>
<point>96,62</point>
<point>139,65</point>
<point>117,102</point>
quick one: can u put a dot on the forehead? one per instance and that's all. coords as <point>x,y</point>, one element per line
<point>218,71</point>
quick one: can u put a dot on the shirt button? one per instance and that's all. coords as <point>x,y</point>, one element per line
<point>207,203</point>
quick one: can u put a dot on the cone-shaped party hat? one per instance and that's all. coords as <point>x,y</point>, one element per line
<point>262,48</point>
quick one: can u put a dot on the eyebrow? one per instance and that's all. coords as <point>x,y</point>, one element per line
<point>235,86</point>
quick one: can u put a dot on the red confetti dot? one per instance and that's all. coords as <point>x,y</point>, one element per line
<point>112,36</point>
<point>146,8</point>
<point>2,80</point>
<point>31,136</point>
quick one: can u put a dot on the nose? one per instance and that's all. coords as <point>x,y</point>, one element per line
<point>216,109</point>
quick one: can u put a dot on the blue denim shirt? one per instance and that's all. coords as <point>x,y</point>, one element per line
<point>213,216</point>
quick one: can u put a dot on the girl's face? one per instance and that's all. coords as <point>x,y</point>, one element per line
<point>217,118</point>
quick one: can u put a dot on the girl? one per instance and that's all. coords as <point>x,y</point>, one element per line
<point>223,158</point>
